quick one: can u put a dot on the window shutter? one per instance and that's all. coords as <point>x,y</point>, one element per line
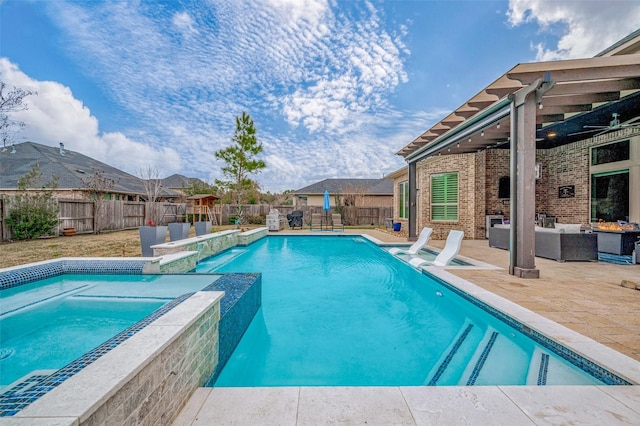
<point>444,197</point>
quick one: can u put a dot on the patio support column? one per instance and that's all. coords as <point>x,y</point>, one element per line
<point>413,205</point>
<point>524,103</point>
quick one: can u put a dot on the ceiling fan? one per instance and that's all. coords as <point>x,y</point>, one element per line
<point>614,124</point>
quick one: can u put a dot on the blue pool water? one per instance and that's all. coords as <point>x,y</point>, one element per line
<point>340,311</point>
<point>46,324</point>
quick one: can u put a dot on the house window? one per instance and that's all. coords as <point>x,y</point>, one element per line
<point>614,172</point>
<point>610,196</point>
<point>610,153</point>
<point>444,197</point>
<point>403,197</point>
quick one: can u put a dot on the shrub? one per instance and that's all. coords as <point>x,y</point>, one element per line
<point>260,219</point>
<point>32,213</point>
<point>32,216</point>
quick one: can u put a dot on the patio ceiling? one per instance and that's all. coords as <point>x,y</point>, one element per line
<point>586,93</point>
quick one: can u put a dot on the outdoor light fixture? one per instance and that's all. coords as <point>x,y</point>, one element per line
<point>13,149</point>
<point>552,134</point>
<point>498,126</point>
<point>469,140</point>
<point>482,133</point>
<point>458,145</point>
<point>540,106</point>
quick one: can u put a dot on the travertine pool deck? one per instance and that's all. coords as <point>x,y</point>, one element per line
<point>583,296</point>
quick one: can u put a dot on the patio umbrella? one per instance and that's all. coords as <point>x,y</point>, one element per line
<point>326,205</point>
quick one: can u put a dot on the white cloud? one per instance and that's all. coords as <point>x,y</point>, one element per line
<point>184,22</point>
<point>54,115</point>
<point>319,73</point>
<point>583,27</point>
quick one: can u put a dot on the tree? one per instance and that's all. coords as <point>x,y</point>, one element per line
<point>240,159</point>
<point>151,181</point>
<point>33,212</point>
<point>197,186</point>
<point>10,102</point>
<point>97,186</point>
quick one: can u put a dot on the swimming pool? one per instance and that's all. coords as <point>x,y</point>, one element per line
<point>48,323</point>
<point>343,312</point>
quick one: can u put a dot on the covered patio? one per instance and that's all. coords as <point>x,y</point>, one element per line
<point>538,106</point>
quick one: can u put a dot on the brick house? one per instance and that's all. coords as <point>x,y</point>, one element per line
<point>576,156</point>
<point>349,192</point>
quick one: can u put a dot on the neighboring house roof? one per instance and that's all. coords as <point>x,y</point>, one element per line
<point>345,186</point>
<point>175,181</point>
<point>178,181</point>
<point>202,196</point>
<point>401,172</point>
<point>71,169</point>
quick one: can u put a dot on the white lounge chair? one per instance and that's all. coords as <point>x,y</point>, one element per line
<point>422,241</point>
<point>450,250</point>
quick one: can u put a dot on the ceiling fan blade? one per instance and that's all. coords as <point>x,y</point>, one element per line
<point>586,131</point>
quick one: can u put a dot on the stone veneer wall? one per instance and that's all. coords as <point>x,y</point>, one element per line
<point>162,387</point>
<point>184,263</point>
<point>205,245</point>
<point>248,237</point>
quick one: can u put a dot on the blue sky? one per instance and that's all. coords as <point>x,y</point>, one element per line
<point>335,88</point>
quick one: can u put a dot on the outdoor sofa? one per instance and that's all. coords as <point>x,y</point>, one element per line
<point>564,242</point>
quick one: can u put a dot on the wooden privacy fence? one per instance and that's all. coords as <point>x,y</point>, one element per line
<point>351,216</point>
<point>113,215</point>
<point>109,215</point>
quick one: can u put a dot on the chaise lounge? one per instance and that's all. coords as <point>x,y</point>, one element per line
<point>422,241</point>
<point>446,255</point>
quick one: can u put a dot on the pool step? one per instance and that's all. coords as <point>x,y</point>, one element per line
<point>487,346</point>
<point>546,370</point>
<point>454,359</point>
<point>451,352</point>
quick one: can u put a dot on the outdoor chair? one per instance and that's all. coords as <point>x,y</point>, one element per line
<point>336,222</point>
<point>316,221</point>
<point>295,219</point>
<point>450,250</point>
<point>422,241</point>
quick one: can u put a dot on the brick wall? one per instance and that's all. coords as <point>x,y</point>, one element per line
<point>466,165</point>
<point>479,176</point>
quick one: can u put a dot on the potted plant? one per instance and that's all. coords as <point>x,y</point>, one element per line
<point>151,235</point>
<point>68,232</point>
<point>202,228</point>
<point>179,231</point>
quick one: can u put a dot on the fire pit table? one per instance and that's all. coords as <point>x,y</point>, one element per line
<point>619,241</point>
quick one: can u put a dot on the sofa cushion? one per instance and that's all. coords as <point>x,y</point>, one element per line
<point>569,227</point>
<point>549,230</point>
